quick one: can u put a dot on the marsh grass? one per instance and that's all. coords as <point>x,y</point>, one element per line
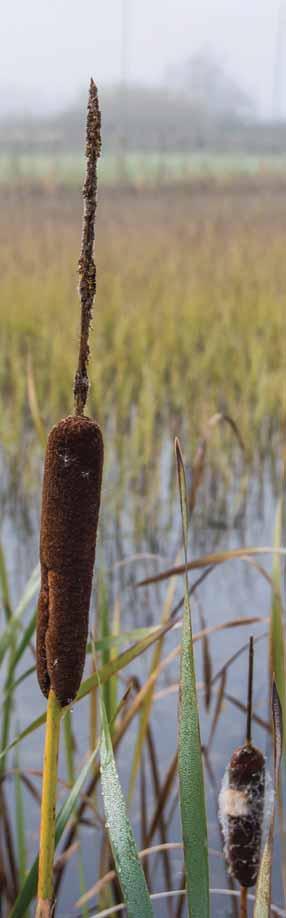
<point>190,287</point>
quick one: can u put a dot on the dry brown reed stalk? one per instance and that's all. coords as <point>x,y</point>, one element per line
<point>72,486</point>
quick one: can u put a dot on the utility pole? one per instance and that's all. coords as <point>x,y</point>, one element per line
<point>279,69</point>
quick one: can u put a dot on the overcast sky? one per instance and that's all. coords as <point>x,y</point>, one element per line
<point>49,48</point>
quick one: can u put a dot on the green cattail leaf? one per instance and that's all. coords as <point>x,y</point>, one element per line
<point>20,824</point>
<point>262,908</point>
<point>105,634</point>
<point>118,663</point>
<point>278,655</point>
<point>14,621</point>
<point>29,888</point>
<point>128,867</point>
<point>123,637</point>
<point>22,678</point>
<point>4,583</point>
<point>277,630</point>
<point>23,644</point>
<point>69,741</point>
<point>116,620</point>
<point>191,779</point>
<point>31,589</point>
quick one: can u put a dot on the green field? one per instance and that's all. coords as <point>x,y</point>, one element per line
<point>138,168</point>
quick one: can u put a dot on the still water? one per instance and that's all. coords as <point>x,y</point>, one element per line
<point>127,553</point>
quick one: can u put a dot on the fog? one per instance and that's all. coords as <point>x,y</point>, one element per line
<point>49,50</point>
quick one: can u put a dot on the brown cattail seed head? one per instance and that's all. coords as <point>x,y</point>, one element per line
<point>70,508</point>
<point>241,807</point>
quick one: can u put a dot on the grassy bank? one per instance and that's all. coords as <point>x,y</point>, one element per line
<point>190,314</point>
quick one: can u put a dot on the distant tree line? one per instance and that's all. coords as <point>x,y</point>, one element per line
<point>200,109</point>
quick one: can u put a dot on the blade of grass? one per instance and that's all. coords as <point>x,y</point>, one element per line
<point>32,587</point>
<point>164,797</point>
<point>103,881</point>
<point>116,640</point>
<point>206,654</point>
<point>4,581</point>
<point>155,773</point>
<point>20,825</point>
<point>105,634</point>
<point>115,634</point>
<point>278,659</point>
<point>191,780</point>
<point>29,888</point>
<point>70,747</point>
<point>277,631</point>
<point>25,675</point>
<point>147,707</point>
<point>14,622</point>
<point>69,742</point>
<point>8,702</point>
<point>34,404</point>
<point>128,867</point>
<point>143,813</point>
<point>25,640</point>
<point>262,908</point>
<point>120,733</point>
<point>198,465</point>
<point>15,655</point>
<point>11,869</point>
<point>212,559</point>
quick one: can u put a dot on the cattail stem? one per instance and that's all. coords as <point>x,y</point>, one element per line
<point>243,902</point>
<point>250,691</point>
<point>48,810</point>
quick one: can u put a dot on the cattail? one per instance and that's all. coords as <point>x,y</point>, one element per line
<point>241,813</point>
<point>70,508</point>
<point>72,485</point>
<point>241,803</point>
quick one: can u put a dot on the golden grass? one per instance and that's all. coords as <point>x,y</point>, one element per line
<point>190,311</point>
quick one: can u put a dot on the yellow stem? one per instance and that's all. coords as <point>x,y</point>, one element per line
<point>48,809</point>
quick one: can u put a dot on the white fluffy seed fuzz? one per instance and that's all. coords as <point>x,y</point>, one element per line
<point>232,802</point>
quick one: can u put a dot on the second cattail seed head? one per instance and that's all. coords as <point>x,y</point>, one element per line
<point>241,809</point>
